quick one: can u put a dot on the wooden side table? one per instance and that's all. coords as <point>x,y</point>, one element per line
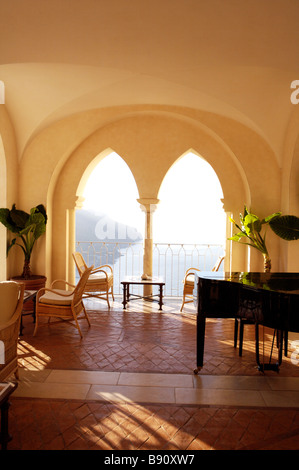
<point>35,282</point>
<point>6,389</point>
<point>29,296</point>
<point>134,280</point>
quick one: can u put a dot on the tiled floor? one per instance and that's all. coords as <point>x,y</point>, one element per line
<point>129,384</point>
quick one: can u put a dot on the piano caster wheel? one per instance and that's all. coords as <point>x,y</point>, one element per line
<point>197,370</point>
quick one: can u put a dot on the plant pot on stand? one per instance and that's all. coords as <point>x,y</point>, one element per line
<point>34,283</point>
<point>26,229</point>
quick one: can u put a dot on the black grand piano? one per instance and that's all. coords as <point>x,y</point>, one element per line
<point>268,299</point>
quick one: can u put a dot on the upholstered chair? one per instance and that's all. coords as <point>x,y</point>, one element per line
<point>100,281</point>
<point>11,305</point>
<point>62,304</point>
<point>188,282</point>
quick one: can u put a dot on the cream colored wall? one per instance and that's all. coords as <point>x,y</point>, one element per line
<point>150,139</point>
<point>2,204</point>
<point>291,187</point>
<point>8,192</point>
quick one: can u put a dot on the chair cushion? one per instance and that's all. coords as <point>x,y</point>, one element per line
<point>190,280</point>
<point>99,278</point>
<point>53,298</point>
<point>9,296</point>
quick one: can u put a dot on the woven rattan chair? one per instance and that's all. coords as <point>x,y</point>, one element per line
<point>11,305</point>
<point>62,304</point>
<point>100,281</point>
<point>188,281</point>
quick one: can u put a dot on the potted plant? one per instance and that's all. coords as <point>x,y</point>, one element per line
<point>27,227</point>
<point>252,231</point>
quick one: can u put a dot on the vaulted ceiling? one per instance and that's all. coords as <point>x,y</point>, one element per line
<point>230,57</point>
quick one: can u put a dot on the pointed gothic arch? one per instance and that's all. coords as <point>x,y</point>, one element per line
<point>132,138</point>
<point>186,190</point>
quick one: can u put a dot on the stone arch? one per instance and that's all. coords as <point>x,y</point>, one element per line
<point>88,171</point>
<point>70,197</point>
<point>188,177</point>
<point>236,179</point>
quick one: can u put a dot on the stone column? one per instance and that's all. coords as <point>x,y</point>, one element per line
<point>148,206</point>
<point>237,256</point>
<point>71,239</point>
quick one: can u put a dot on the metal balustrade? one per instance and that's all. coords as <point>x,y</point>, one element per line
<point>170,260</point>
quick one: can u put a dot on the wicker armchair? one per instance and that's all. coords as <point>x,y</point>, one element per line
<point>188,282</point>
<point>11,305</point>
<point>100,281</point>
<point>62,304</point>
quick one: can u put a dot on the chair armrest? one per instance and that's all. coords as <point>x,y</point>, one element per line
<point>46,289</point>
<point>63,281</point>
<point>189,272</point>
<point>100,268</point>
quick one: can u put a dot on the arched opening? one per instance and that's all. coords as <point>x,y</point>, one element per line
<point>143,158</point>
<point>110,224</point>
<point>189,228</point>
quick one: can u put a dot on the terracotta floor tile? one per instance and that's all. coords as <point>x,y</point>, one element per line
<point>119,340</point>
<point>143,340</point>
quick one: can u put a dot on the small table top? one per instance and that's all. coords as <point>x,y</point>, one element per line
<point>139,280</point>
<point>6,388</point>
<point>29,294</point>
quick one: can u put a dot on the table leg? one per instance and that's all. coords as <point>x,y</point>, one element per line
<point>128,292</point>
<point>262,367</point>
<point>124,295</point>
<point>201,328</point>
<point>34,309</point>
<point>160,297</point>
<point>33,300</point>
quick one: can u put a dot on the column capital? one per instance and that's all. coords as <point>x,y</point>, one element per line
<point>225,205</point>
<point>148,204</point>
<point>79,202</point>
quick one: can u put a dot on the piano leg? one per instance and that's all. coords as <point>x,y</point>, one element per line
<point>280,337</point>
<point>201,327</point>
<point>262,367</point>
<point>236,332</point>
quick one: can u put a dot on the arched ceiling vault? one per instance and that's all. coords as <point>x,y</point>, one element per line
<point>235,59</point>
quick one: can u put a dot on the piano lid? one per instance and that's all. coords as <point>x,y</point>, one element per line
<point>276,281</point>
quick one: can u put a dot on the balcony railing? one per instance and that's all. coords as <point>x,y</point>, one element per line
<point>170,260</point>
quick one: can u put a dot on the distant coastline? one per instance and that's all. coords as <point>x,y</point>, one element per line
<point>125,254</point>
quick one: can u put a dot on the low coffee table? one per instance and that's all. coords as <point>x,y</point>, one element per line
<point>135,280</point>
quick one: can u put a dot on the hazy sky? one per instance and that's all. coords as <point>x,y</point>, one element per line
<point>190,210</point>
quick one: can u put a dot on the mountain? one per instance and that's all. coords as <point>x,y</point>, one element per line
<point>95,228</point>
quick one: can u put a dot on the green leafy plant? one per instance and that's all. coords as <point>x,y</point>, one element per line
<point>27,227</point>
<point>286,227</point>
<point>252,231</point>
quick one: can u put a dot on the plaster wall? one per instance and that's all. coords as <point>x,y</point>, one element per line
<point>150,143</point>
<point>9,178</point>
<point>291,187</point>
<point>150,139</point>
